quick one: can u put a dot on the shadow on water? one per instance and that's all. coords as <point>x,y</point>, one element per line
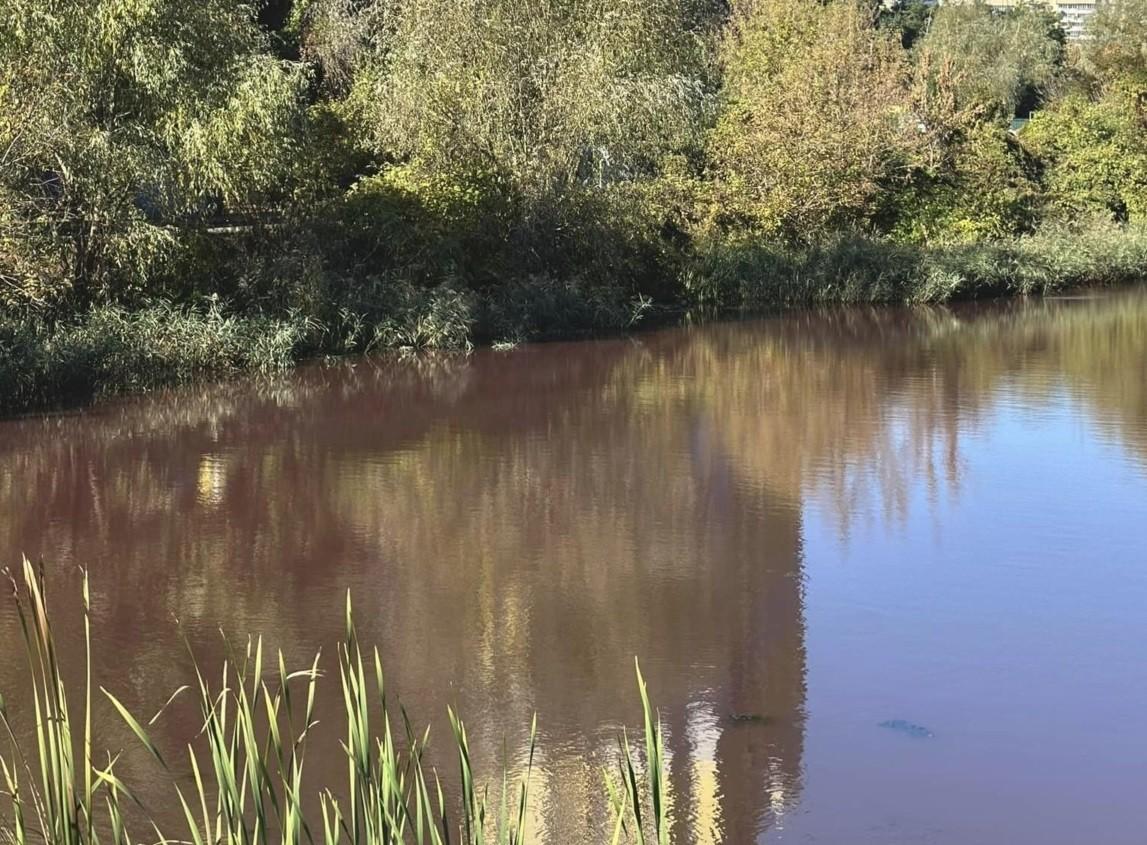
<point>516,526</point>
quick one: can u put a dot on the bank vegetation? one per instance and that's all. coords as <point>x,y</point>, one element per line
<point>198,189</point>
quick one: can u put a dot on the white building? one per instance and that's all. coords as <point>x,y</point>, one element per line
<point>1074,13</point>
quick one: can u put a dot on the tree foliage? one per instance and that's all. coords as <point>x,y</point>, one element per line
<point>121,119</point>
<point>994,62</point>
<point>415,171</point>
<point>815,121</point>
<point>1095,154</point>
<point>539,96</point>
<point>987,189</point>
<point>1116,47</point>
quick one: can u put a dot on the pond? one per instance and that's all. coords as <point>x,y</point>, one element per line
<point>885,570</point>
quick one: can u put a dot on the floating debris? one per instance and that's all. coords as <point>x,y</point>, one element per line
<point>909,728</point>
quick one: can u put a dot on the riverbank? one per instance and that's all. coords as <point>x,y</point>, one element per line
<point>114,349</point>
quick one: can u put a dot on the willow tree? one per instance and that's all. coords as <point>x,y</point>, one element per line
<point>121,122</point>
<point>511,141</point>
<point>993,63</point>
<point>815,121</point>
<point>541,95</point>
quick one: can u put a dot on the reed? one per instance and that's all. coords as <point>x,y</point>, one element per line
<point>55,797</point>
<point>248,760</point>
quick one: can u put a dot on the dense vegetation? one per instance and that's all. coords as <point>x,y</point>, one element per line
<point>195,188</point>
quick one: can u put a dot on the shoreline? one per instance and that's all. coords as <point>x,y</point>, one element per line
<point>112,350</point>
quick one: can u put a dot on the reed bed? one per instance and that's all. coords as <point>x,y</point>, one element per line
<point>248,759</point>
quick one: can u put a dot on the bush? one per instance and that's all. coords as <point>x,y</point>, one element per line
<point>989,190</point>
<point>111,350</point>
<point>1094,154</point>
<point>542,307</point>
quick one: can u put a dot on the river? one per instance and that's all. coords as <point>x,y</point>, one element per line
<point>885,570</point>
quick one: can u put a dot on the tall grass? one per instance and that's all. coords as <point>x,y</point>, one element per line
<point>55,797</point>
<point>859,268</point>
<point>737,272</point>
<point>112,350</point>
<point>248,760</point>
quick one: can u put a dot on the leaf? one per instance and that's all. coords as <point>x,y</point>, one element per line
<point>136,727</point>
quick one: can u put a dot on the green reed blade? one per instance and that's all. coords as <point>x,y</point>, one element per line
<point>136,727</point>
<point>654,755</point>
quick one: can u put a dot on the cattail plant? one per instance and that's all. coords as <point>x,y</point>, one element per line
<point>248,760</point>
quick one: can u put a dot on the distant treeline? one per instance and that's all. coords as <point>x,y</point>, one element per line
<point>198,187</point>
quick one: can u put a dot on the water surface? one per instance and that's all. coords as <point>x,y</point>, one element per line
<point>886,570</point>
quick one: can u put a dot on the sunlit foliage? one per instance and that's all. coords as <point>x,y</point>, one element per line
<point>539,95</point>
<point>1117,41</point>
<point>995,63</point>
<point>1095,154</point>
<point>815,120</point>
<point>120,122</point>
<point>435,172</point>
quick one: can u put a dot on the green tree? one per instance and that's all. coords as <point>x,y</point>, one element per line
<point>538,96</point>
<point>122,122</point>
<point>1094,153</point>
<point>993,62</point>
<point>815,121</point>
<point>973,69</point>
<point>1116,47</point>
<point>986,188</point>
<point>511,145</point>
<point>1092,141</point>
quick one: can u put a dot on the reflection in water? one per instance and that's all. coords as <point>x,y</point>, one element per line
<point>515,527</point>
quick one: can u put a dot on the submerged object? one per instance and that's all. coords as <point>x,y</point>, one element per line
<point>909,728</point>
<point>748,717</point>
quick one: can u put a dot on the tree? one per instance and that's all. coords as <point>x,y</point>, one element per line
<point>973,70</point>
<point>536,97</point>
<point>1117,44</point>
<point>985,188</point>
<point>122,121</point>
<point>1094,153</point>
<point>1092,141</point>
<point>994,62</point>
<point>815,121</point>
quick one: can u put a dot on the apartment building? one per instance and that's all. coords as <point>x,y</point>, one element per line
<point>1073,12</point>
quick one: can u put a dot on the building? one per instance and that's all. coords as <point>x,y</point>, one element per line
<point>1074,13</point>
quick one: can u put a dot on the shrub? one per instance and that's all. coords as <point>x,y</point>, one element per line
<point>542,307</point>
<point>988,189</point>
<point>1094,153</point>
<point>112,349</point>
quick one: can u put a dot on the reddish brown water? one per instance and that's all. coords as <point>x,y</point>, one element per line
<point>827,521</point>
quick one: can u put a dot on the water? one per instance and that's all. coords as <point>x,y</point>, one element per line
<point>886,571</point>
